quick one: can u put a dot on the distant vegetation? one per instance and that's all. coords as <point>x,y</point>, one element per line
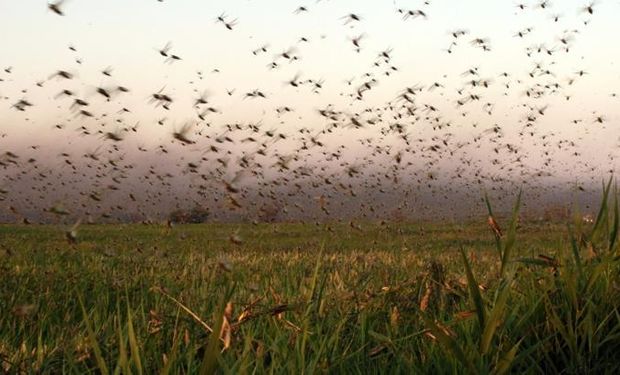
<point>196,215</point>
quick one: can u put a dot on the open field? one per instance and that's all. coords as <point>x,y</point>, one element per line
<point>301,298</point>
<point>309,187</point>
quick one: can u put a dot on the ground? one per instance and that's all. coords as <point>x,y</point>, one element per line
<point>337,297</point>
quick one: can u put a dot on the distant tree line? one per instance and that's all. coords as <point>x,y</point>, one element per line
<point>195,215</point>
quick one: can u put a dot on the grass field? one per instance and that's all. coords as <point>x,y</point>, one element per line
<point>302,298</point>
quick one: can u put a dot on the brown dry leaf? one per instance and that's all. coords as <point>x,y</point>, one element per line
<point>464,314</point>
<point>186,337</point>
<point>293,326</point>
<point>427,296</point>
<point>228,311</point>
<point>377,350</point>
<point>494,226</point>
<point>155,323</point>
<point>446,330</point>
<point>226,331</point>
<point>247,314</point>
<point>591,252</point>
<point>430,335</point>
<point>226,334</point>
<point>82,351</point>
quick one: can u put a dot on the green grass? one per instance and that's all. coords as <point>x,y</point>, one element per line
<point>300,298</point>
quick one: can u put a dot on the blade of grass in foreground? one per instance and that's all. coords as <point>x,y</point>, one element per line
<point>602,213</point>
<point>512,235</point>
<point>613,236</point>
<point>175,346</point>
<point>93,340</point>
<point>212,352</point>
<point>133,342</point>
<point>450,344</point>
<point>123,362</point>
<point>498,241</point>
<point>209,362</point>
<point>474,291</point>
<point>493,320</point>
<point>504,363</point>
<point>575,249</point>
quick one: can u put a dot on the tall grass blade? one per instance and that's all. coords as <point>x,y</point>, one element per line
<point>512,235</point>
<point>602,213</point>
<point>450,344</point>
<point>498,241</point>
<point>123,361</point>
<point>613,236</point>
<point>185,308</point>
<point>576,251</point>
<point>93,340</point>
<point>311,298</point>
<point>175,347</point>
<point>134,347</point>
<point>212,352</point>
<point>505,361</point>
<point>474,291</point>
<point>494,320</point>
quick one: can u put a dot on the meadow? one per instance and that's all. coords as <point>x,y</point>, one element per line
<point>425,297</point>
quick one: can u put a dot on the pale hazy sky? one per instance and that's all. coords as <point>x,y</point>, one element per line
<point>125,35</point>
